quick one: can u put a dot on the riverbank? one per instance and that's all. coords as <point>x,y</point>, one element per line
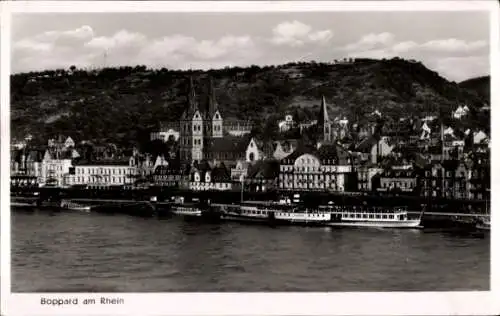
<point>436,218</point>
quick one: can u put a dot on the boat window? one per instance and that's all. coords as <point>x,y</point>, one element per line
<point>384,216</point>
<point>391,216</point>
<point>377,216</point>
<point>370,216</point>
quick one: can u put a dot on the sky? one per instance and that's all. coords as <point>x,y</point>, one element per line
<point>455,44</point>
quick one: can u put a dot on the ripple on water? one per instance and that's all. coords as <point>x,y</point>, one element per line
<point>95,253</point>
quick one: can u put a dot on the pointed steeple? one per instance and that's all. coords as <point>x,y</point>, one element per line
<point>191,96</point>
<point>323,114</point>
<point>212,106</point>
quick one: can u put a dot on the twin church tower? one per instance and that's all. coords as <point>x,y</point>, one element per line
<point>199,125</point>
<point>202,125</point>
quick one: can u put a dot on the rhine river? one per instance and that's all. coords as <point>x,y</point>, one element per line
<point>88,252</point>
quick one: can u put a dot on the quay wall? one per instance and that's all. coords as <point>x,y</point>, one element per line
<point>414,203</point>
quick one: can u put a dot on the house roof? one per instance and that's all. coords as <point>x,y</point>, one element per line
<point>365,145</point>
<point>104,162</point>
<point>266,169</point>
<point>325,152</point>
<point>220,174</point>
<point>233,144</point>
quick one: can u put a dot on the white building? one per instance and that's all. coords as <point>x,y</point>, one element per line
<point>104,173</point>
<point>54,169</point>
<point>165,135</point>
<point>325,169</point>
<point>286,124</point>
<point>479,137</point>
<point>69,143</point>
<point>460,112</point>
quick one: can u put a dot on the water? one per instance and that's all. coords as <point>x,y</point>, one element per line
<point>73,252</point>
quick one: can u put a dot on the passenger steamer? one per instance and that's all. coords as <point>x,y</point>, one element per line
<point>371,217</point>
<point>186,209</point>
<point>274,213</point>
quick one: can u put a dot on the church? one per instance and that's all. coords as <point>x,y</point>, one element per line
<point>199,126</point>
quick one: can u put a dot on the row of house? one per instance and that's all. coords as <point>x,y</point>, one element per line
<point>409,156</point>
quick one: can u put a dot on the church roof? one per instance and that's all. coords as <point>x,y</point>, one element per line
<point>192,105</point>
<point>228,143</point>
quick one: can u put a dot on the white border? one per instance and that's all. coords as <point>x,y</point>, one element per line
<point>383,303</point>
<point>5,156</point>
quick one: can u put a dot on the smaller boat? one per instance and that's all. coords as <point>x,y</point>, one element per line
<point>255,212</point>
<point>72,206</point>
<point>20,205</point>
<point>483,224</point>
<point>180,207</point>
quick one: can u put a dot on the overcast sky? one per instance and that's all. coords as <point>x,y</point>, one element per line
<point>456,44</point>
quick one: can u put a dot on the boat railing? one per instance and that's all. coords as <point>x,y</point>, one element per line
<point>365,209</point>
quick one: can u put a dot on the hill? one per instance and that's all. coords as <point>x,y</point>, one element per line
<point>123,104</point>
<point>481,85</point>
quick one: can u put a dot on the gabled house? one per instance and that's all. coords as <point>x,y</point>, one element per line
<point>283,148</point>
<point>374,150</point>
<point>263,176</point>
<point>258,150</point>
<point>207,178</point>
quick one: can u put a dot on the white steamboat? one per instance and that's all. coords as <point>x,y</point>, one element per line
<point>180,207</point>
<point>396,217</point>
<point>279,213</point>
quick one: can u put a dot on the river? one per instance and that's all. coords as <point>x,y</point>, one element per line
<point>89,252</point>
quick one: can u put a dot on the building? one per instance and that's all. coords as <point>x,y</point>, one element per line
<point>263,176</point>
<point>284,148</point>
<point>207,178</point>
<point>227,150</point>
<point>55,166</point>
<point>453,147</point>
<point>239,172</point>
<point>112,172</point>
<point>324,124</point>
<point>168,132</point>
<point>258,150</point>
<point>374,150</point>
<point>239,128</point>
<point>166,176</point>
<point>368,176</point>
<point>202,128</point>
<point>199,125</point>
<point>287,124</point>
<point>399,179</point>
<point>325,169</point>
<point>460,112</point>
<point>480,177</point>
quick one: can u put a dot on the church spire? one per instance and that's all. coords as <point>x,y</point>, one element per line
<point>323,114</point>
<point>212,106</point>
<point>191,96</point>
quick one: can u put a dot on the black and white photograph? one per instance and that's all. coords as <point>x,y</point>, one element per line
<point>249,151</point>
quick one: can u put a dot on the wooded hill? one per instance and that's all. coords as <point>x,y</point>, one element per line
<point>123,104</point>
